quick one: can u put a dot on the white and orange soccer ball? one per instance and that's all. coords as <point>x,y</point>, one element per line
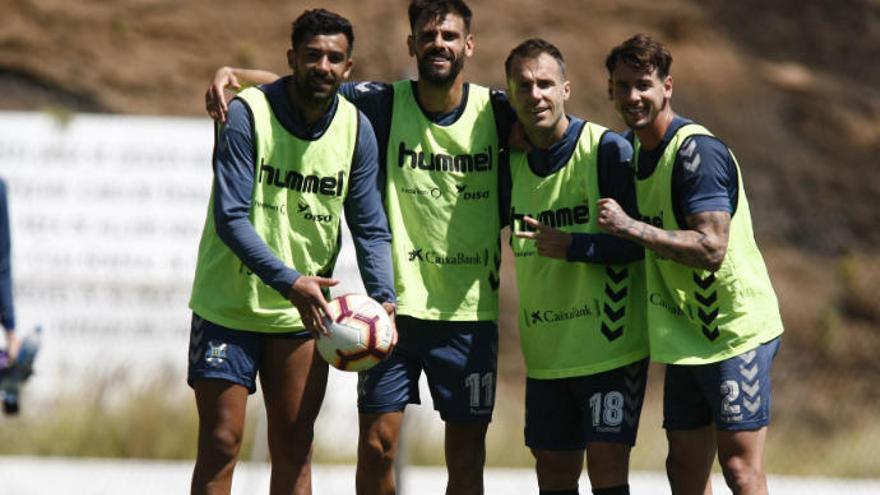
<point>360,333</point>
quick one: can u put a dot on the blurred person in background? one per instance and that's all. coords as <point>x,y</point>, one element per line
<point>7,309</point>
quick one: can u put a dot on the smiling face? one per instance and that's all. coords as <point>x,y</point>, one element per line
<point>319,66</point>
<point>538,90</point>
<point>640,96</point>
<point>440,46</point>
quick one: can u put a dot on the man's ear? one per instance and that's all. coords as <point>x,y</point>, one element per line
<point>348,65</point>
<point>469,45</point>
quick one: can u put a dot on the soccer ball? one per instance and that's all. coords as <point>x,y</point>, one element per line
<point>360,333</point>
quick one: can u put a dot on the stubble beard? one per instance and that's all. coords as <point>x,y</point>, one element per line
<point>427,73</point>
<point>311,95</point>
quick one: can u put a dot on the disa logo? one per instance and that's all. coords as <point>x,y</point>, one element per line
<point>303,209</point>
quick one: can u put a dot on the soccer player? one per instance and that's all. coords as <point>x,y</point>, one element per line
<point>712,313</point>
<point>7,309</point>
<point>581,291</point>
<point>440,143</point>
<point>290,158</point>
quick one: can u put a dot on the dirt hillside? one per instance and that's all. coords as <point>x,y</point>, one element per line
<point>790,85</point>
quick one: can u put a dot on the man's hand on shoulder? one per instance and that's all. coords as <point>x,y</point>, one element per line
<point>215,96</point>
<point>232,78</point>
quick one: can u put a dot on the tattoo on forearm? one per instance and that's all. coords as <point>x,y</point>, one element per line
<point>703,244</point>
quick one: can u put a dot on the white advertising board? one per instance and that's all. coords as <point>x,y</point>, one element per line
<point>106,214</point>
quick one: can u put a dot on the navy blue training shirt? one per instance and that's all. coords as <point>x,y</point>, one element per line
<point>704,180</point>
<point>234,160</point>
<point>615,178</point>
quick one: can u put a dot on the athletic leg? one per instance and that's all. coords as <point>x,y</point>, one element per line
<point>460,365</point>
<point>741,455</point>
<point>690,458</point>
<point>554,432</point>
<point>558,470</point>
<point>611,404</point>
<point>377,448</point>
<point>221,407</point>
<point>465,449</point>
<point>742,416</point>
<point>222,371</point>
<point>687,418</point>
<point>608,464</point>
<point>383,393</point>
<point>294,378</point>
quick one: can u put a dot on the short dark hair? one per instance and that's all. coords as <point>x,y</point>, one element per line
<point>641,52</point>
<point>438,9</point>
<point>320,21</point>
<point>531,48</point>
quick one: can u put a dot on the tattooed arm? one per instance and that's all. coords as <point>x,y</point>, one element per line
<point>703,245</point>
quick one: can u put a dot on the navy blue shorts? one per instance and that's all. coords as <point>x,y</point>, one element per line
<point>735,393</point>
<point>569,413</point>
<point>460,360</point>
<point>217,352</point>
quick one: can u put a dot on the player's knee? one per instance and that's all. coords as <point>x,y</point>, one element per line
<point>376,453</point>
<point>223,444</point>
<point>468,462</point>
<point>292,443</point>
<point>677,464</point>
<point>740,474</point>
<point>608,466</point>
<point>466,454</point>
<point>557,469</point>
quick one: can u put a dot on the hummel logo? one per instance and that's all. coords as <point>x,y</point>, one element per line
<point>689,148</point>
<point>749,356</point>
<point>704,283</point>
<point>302,207</point>
<point>363,87</point>
<point>494,281</point>
<point>749,373</point>
<point>460,187</point>
<point>752,390</point>
<point>536,317</point>
<point>752,406</point>
<point>692,165</point>
<point>195,340</point>
<point>415,253</point>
